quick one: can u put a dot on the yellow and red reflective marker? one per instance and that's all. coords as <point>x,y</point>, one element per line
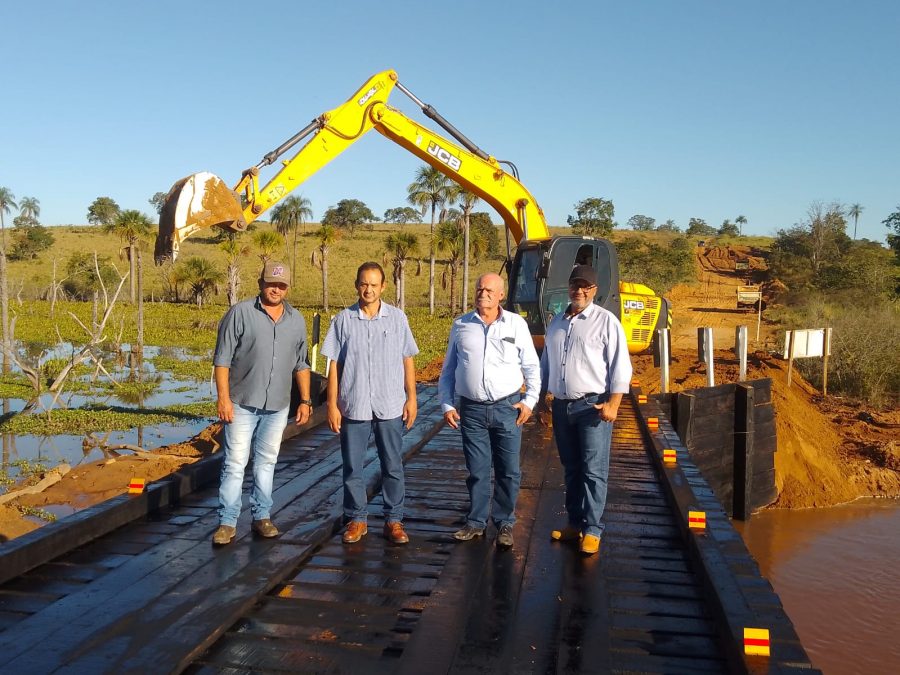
<point>697,520</point>
<point>756,641</point>
<point>136,486</point>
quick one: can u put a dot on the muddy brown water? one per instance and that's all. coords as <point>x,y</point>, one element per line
<point>837,571</point>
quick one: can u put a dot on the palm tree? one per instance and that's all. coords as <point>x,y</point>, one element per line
<point>233,250</point>
<point>401,246</point>
<point>130,226</point>
<point>326,236</point>
<point>467,200</point>
<point>30,208</point>
<point>288,216</point>
<point>7,203</point>
<point>741,221</point>
<point>855,211</point>
<point>431,188</point>
<point>450,238</point>
<point>201,275</point>
<point>268,242</point>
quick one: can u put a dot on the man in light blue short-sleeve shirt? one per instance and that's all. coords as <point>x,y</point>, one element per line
<point>371,388</point>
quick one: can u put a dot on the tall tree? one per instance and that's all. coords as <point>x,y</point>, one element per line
<point>641,223</point>
<point>7,203</point>
<point>449,238</point>
<point>892,222</point>
<point>103,211</point>
<point>349,214</point>
<point>401,246</point>
<point>741,221</point>
<point>855,211</point>
<point>158,200</point>
<point>402,215</point>
<point>288,217</point>
<point>234,250</point>
<point>594,216</point>
<point>434,189</point>
<point>326,235</point>
<point>729,229</point>
<point>30,208</point>
<point>467,200</point>
<point>698,226</point>
<point>130,226</point>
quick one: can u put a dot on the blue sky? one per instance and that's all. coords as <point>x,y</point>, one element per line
<point>669,109</point>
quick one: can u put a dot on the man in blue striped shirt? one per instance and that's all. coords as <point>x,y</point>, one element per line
<point>586,366</point>
<point>489,356</point>
<point>371,387</point>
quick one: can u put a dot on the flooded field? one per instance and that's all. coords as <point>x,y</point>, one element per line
<point>166,377</point>
<point>837,571</point>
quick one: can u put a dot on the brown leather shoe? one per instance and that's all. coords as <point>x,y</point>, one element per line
<point>264,528</point>
<point>394,533</point>
<point>355,531</point>
<point>223,535</point>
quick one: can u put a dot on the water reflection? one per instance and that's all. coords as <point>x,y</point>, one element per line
<point>136,383</point>
<point>838,576</point>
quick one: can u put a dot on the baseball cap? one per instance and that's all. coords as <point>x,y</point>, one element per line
<point>276,272</point>
<point>583,273</point>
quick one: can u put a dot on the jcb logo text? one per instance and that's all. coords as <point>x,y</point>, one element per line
<point>437,151</point>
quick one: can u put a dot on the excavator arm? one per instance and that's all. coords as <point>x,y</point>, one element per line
<point>203,200</point>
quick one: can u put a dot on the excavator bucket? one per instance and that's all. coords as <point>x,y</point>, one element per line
<point>198,201</point>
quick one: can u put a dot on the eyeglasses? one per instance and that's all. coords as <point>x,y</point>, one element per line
<point>573,288</point>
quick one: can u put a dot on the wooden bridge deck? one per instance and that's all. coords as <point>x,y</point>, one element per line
<point>155,596</point>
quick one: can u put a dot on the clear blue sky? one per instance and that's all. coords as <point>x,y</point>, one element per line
<point>670,109</point>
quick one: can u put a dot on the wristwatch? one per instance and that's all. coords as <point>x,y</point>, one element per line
<point>306,401</point>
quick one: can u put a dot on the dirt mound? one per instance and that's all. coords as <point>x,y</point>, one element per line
<point>829,450</point>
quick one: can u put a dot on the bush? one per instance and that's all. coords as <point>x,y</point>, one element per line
<point>659,267</point>
<point>864,362</point>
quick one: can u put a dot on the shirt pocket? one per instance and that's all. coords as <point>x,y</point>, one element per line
<point>390,341</point>
<point>503,350</point>
<point>590,349</point>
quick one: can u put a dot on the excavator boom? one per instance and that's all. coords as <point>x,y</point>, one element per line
<point>204,200</point>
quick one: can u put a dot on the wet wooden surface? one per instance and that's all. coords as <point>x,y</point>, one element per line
<point>155,596</point>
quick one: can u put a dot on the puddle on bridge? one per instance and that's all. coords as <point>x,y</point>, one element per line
<point>838,576</point>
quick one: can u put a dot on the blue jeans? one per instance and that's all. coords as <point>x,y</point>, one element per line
<point>260,431</point>
<point>490,436</point>
<point>583,445</point>
<point>389,443</point>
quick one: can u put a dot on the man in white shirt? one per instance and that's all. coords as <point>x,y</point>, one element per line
<point>490,355</point>
<point>586,366</point>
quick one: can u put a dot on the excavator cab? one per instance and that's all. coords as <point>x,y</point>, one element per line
<point>539,280</point>
<point>539,288</point>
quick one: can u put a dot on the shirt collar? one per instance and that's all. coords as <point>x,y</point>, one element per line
<point>474,317</point>
<point>358,313</point>
<point>586,312</point>
<point>284,303</point>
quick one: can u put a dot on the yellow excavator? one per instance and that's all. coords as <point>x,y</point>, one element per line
<point>539,273</point>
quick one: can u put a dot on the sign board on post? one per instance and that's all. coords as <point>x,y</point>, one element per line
<point>807,343</point>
